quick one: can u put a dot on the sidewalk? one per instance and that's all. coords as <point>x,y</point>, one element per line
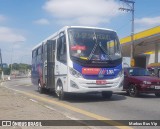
<point>15,106</point>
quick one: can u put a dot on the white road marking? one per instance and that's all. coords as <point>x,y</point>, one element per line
<point>34,100</point>
<point>23,85</point>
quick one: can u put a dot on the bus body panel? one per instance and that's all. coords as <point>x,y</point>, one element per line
<point>88,83</point>
<point>89,86</point>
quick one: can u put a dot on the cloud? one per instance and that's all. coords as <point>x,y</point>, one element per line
<point>150,21</point>
<point>8,35</point>
<point>83,12</point>
<point>146,23</point>
<point>2,18</point>
<point>83,21</point>
<point>42,22</point>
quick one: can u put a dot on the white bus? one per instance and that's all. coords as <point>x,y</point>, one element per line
<point>78,59</point>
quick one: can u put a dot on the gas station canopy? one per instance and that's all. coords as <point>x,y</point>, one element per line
<point>144,42</point>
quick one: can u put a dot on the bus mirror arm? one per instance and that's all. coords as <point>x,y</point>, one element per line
<point>61,33</point>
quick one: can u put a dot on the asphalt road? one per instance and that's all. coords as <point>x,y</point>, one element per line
<point>93,107</point>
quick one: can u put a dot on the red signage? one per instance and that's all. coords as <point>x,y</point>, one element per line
<point>90,71</point>
<point>78,47</point>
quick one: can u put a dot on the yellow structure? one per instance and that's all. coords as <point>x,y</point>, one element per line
<point>145,43</point>
<point>143,34</point>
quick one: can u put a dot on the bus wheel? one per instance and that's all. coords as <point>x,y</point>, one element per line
<point>40,88</point>
<point>59,91</point>
<point>107,94</point>
<point>157,95</point>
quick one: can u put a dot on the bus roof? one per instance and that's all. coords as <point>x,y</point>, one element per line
<point>66,27</point>
<point>88,27</point>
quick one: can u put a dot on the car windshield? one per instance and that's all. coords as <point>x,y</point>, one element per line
<point>138,72</point>
<point>94,44</point>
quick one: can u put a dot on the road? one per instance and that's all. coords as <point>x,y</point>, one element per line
<point>94,107</point>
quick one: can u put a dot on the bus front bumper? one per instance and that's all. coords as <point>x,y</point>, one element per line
<point>81,85</point>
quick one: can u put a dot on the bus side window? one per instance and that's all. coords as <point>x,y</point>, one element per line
<point>42,52</point>
<point>34,52</point>
<point>39,54</point>
<point>61,49</point>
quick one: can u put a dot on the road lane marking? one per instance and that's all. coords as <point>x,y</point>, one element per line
<point>78,110</point>
<point>34,100</point>
<point>23,85</point>
<point>28,84</point>
<point>50,107</point>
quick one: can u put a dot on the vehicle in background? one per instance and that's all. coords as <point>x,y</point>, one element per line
<point>154,69</point>
<point>78,60</point>
<point>138,80</point>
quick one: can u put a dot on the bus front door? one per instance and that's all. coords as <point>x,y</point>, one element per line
<point>50,63</point>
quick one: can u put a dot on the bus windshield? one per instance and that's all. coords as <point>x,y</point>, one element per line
<point>94,44</point>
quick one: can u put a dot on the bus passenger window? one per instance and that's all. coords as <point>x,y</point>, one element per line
<point>61,50</point>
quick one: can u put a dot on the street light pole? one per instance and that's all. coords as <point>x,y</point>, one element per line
<point>130,4</point>
<point>2,77</point>
<point>11,61</point>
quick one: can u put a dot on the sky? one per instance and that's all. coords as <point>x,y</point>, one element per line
<point>25,23</point>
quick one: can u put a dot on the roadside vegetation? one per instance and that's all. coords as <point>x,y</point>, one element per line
<point>18,67</point>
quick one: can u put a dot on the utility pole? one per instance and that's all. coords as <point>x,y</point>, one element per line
<point>130,5</point>
<point>1,66</point>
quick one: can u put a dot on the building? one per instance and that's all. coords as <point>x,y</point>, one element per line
<point>146,47</point>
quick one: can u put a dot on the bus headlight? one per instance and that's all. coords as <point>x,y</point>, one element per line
<point>75,73</point>
<point>120,73</point>
<point>73,84</point>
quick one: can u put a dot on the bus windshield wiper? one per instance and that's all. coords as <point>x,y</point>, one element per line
<point>104,50</point>
<point>94,48</point>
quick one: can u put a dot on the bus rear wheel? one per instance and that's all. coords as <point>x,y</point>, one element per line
<point>40,88</point>
<point>59,91</point>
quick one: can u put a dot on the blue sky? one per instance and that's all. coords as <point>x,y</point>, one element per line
<point>24,23</point>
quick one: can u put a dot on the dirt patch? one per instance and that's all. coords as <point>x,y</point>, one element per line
<point>15,106</point>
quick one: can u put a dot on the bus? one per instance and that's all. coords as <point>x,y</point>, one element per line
<point>78,59</point>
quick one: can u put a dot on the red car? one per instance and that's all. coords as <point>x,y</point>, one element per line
<point>138,80</point>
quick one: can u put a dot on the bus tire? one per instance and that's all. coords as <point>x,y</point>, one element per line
<point>107,94</point>
<point>40,88</point>
<point>59,91</point>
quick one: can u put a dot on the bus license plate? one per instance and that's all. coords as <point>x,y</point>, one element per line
<point>101,82</point>
<point>157,87</point>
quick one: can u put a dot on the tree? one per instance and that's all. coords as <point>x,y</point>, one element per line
<point>20,66</point>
